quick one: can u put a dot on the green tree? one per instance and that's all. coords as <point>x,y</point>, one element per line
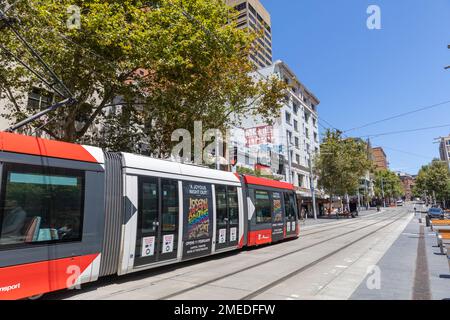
<point>169,63</point>
<point>341,164</point>
<point>434,178</point>
<point>387,183</point>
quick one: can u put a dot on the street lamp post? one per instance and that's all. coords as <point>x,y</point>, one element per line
<point>313,193</point>
<point>289,159</point>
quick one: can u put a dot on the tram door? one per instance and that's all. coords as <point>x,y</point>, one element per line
<point>227,217</point>
<point>291,213</point>
<point>157,229</point>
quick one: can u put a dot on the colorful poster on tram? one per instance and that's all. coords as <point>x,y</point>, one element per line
<point>277,217</point>
<point>198,219</point>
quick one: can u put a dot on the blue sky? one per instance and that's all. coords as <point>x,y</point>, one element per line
<point>363,75</point>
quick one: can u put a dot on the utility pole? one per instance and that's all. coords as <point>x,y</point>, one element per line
<point>289,159</point>
<point>313,193</point>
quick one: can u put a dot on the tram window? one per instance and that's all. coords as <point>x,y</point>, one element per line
<point>263,207</point>
<point>40,205</point>
<point>289,204</point>
<point>169,205</point>
<point>233,205</point>
<point>149,206</point>
<point>221,205</point>
<point>227,205</point>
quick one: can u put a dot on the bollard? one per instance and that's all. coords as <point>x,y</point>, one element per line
<point>427,219</point>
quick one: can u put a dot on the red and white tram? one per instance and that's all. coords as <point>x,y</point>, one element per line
<point>70,214</point>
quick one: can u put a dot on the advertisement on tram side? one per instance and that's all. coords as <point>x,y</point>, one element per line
<point>277,218</point>
<point>198,219</point>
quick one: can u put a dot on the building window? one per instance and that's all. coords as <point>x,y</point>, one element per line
<point>306,117</point>
<point>289,135</point>
<point>41,205</point>
<point>241,6</point>
<point>252,10</point>
<point>288,117</point>
<point>297,144</point>
<point>307,133</point>
<point>297,159</point>
<point>301,180</point>
<point>39,99</point>
<point>296,125</point>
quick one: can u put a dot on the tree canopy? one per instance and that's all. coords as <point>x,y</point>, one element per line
<point>165,63</point>
<point>341,163</point>
<point>387,183</point>
<point>434,177</point>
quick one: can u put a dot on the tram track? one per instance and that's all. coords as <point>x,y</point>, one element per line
<point>224,276</point>
<point>298,271</point>
<point>333,226</point>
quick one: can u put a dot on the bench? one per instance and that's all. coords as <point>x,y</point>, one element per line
<point>443,240</point>
<point>439,223</point>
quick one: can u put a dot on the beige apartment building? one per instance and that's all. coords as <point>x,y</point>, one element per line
<point>253,15</point>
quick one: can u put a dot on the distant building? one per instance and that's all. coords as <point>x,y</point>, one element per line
<point>286,148</point>
<point>379,158</point>
<point>253,16</point>
<point>444,149</point>
<point>408,182</point>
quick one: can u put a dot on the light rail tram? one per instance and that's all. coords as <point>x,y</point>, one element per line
<point>70,214</point>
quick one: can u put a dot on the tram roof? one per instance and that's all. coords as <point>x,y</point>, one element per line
<point>17,143</point>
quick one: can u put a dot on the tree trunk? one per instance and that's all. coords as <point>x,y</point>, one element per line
<point>331,202</point>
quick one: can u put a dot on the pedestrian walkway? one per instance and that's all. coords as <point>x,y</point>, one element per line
<point>410,269</point>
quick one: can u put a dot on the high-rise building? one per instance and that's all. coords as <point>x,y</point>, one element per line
<point>253,16</point>
<point>379,158</point>
<point>444,149</point>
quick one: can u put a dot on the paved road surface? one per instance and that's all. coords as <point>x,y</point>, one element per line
<point>329,261</point>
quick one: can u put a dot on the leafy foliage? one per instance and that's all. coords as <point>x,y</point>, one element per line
<point>389,183</point>
<point>434,177</point>
<point>166,63</point>
<point>341,163</point>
